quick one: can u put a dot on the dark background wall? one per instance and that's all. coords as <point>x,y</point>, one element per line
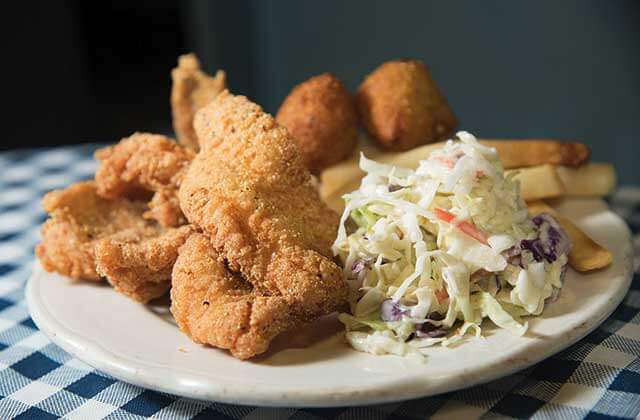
<point>97,71</point>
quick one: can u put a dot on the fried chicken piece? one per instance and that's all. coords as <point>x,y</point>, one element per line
<point>138,262</point>
<point>401,106</point>
<point>145,162</point>
<point>321,116</point>
<point>250,193</point>
<point>89,237</point>
<point>192,89</point>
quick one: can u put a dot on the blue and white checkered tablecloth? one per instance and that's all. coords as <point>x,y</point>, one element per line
<point>599,377</point>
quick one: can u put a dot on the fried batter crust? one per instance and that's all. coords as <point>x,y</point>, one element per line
<point>192,89</point>
<point>401,106</point>
<point>147,162</point>
<point>214,306</point>
<point>79,218</point>
<point>89,237</point>
<point>321,115</point>
<point>250,193</point>
<point>138,263</point>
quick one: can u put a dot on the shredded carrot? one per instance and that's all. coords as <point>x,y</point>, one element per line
<point>445,216</point>
<point>446,162</point>
<point>465,227</point>
<point>442,295</point>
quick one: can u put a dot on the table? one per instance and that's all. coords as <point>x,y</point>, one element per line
<point>599,377</point>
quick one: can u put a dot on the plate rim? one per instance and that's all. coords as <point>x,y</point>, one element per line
<point>147,375</point>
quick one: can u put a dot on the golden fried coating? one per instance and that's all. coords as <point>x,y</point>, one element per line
<point>147,162</point>
<point>533,152</point>
<point>192,89</point>
<point>138,262</point>
<point>217,307</point>
<point>401,106</point>
<point>250,193</point>
<point>79,218</point>
<point>89,237</point>
<point>321,116</point>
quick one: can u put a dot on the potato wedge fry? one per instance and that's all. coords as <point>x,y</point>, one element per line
<point>592,179</point>
<point>334,201</point>
<point>513,153</point>
<point>534,152</point>
<point>536,183</point>
<point>539,182</point>
<point>586,254</point>
<point>345,176</point>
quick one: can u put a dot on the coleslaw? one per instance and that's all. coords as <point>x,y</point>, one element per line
<point>428,254</point>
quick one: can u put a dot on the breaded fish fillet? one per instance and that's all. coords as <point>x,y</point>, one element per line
<point>138,262</point>
<point>192,89</point>
<point>218,307</point>
<point>250,193</point>
<point>145,162</point>
<point>79,218</point>
<point>89,237</point>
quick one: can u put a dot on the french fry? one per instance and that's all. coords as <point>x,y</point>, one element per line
<point>586,254</point>
<point>536,183</point>
<point>349,169</point>
<point>592,179</point>
<point>334,201</point>
<point>534,152</point>
<point>340,179</point>
<point>539,177</point>
<point>539,182</point>
<point>513,153</point>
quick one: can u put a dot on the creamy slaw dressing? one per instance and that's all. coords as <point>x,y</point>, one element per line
<point>428,254</point>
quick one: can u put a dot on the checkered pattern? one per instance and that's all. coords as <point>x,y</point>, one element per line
<point>597,378</point>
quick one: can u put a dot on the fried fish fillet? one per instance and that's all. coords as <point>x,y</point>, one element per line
<point>145,162</point>
<point>89,237</point>
<point>215,306</point>
<point>192,89</point>
<point>250,193</point>
<point>79,218</point>
<point>138,262</point>
<point>209,303</point>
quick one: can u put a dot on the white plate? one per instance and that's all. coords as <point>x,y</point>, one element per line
<point>141,344</point>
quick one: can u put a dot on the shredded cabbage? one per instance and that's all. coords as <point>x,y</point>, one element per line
<point>429,254</point>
